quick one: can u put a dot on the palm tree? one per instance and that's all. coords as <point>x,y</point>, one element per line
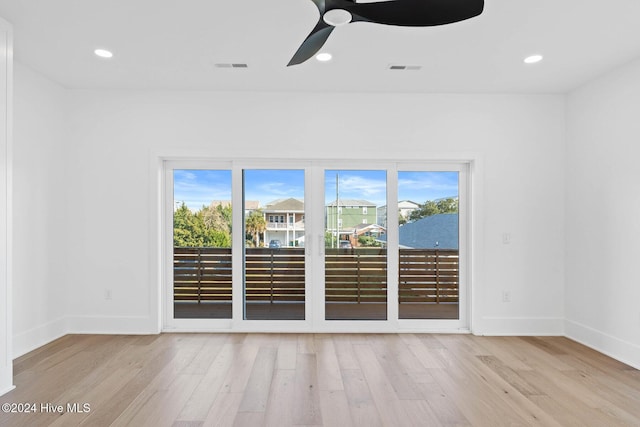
<point>255,224</point>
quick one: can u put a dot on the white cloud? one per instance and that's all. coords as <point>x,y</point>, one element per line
<point>422,186</point>
<point>200,188</point>
<point>367,187</point>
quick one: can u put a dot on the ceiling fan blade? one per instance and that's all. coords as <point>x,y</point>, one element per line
<point>416,13</point>
<point>312,44</point>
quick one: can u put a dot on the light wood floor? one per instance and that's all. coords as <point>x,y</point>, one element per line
<point>331,380</point>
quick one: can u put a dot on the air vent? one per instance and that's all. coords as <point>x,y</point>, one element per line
<point>232,66</point>
<point>405,67</point>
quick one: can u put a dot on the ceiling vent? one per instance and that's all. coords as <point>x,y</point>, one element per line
<point>232,66</point>
<point>405,67</point>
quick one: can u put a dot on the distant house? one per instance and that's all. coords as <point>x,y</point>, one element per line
<point>348,213</point>
<point>435,231</point>
<point>405,207</point>
<point>285,221</point>
<point>249,205</point>
<point>353,233</point>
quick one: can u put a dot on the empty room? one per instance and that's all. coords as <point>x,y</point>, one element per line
<point>319,212</point>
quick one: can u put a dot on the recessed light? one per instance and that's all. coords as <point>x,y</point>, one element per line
<point>532,59</point>
<point>103,53</point>
<point>324,57</point>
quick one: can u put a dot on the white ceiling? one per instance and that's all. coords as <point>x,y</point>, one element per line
<point>175,44</point>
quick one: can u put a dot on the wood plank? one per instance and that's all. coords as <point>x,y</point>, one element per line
<point>287,351</point>
<point>158,387</point>
<point>224,409</point>
<point>329,376</point>
<point>343,345</point>
<point>510,376</point>
<point>564,407</point>
<point>306,344</point>
<point>198,405</point>
<point>163,406</point>
<point>421,352</point>
<point>443,406</point>
<point>399,365</point>
<point>248,419</point>
<point>306,403</point>
<point>105,389</point>
<point>257,390</point>
<point>362,408</point>
<point>279,411</point>
<point>243,358</point>
<point>335,408</point>
<point>384,396</point>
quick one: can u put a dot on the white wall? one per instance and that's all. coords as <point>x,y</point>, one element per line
<point>517,141</point>
<point>603,214</point>
<point>6,111</point>
<point>39,210</point>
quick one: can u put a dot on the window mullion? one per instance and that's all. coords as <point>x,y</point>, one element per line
<point>237,251</point>
<point>392,245</point>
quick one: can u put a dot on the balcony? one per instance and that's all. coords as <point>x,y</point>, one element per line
<point>285,225</point>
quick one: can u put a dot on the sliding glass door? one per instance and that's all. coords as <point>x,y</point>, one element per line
<point>355,261</point>
<point>429,245</point>
<point>274,255</point>
<point>201,242</point>
<point>304,246</point>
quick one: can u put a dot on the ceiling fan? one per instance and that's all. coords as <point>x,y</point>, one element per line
<point>404,13</point>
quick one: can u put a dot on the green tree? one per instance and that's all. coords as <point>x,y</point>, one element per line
<point>217,239</point>
<point>218,217</point>
<point>329,239</point>
<point>254,225</point>
<point>428,208</point>
<point>199,229</point>
<point>188,228</point>
<point>449,205</point>
<point>431,207</point>
<point>368,241</point>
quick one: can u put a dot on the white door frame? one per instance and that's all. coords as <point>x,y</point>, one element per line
<point>314,249</point>
<point>6,135</point>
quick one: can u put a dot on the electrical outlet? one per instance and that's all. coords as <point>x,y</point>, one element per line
<point>506,238</point>
<point>506,296</point>
<point>107,294</point>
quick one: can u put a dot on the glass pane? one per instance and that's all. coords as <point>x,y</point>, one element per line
<point>274,275</point>
<point>355,259</point>
<point>429,267</point>
<point>202,244</point>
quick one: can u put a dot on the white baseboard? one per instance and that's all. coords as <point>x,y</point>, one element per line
<point>26,341</point>
<point>621,350</point>
<point>116,325</point>
<point>6,379</point>
<point>520,326</point>
<point>6,390</point>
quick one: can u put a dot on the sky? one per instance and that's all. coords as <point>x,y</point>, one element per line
<point>197,188</point>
